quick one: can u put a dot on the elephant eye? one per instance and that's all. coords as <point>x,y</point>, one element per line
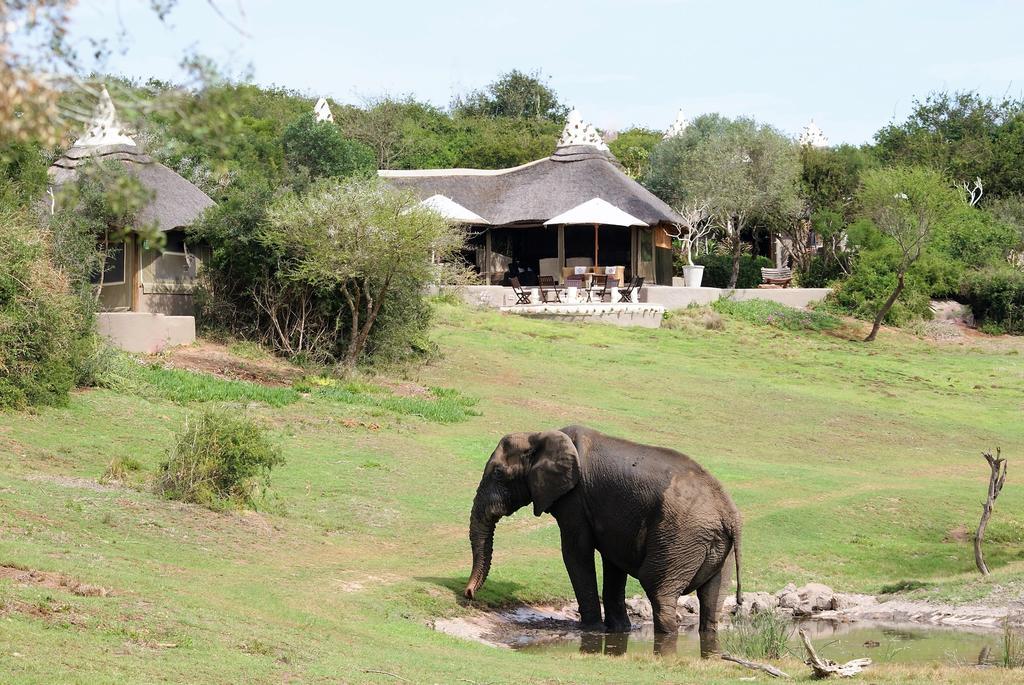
<point>499,472</point>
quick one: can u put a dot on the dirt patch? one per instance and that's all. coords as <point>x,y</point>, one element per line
<point>959,534</point>
<point>403,388</point>
<point>51,580</point>
<point>217,360</point>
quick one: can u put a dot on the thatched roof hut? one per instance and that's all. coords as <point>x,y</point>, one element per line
<point>139,277</point>
<point>524,197</point>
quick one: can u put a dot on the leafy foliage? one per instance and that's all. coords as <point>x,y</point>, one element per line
<point>996,297</point>
<point>633,148</point>
<point>718,269</point>
<point>321,150</point>
<point>514,94</point>
<point>963,135</point>
<point>222,458</point>
<point>45,329</point>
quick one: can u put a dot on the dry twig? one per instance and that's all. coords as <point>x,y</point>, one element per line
<point>753,665</point>
<point>825,668</point>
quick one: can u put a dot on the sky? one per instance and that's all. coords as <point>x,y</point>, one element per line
<point>851,66</point>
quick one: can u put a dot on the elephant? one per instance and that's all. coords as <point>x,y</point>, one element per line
<point>653,513</point>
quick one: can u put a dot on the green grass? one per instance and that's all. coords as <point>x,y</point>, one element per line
<point>767,313</point>
<point>128,375</point>
<point>440,405</point>
<point>851,464</point>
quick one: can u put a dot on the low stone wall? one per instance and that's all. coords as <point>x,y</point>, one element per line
<point>674,297</point>
<point>643,315</point>
<point>670,297</point>
<point>144,332</point>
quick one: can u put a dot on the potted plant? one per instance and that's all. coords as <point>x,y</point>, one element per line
<point>697,225</point>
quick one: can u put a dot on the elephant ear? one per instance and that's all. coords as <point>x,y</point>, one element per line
<point>555,469</point>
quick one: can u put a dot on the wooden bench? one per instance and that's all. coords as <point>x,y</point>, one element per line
<point>776,278</point>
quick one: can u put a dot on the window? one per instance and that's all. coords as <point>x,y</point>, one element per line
<point>113,268</point>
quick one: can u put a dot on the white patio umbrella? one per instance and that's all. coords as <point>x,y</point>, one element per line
<point>596,212</point>
<point>452,210</point>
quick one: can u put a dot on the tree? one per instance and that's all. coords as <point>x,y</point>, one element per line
<point>361,240</point>
<point>514,94</point>
<point>905,204</point>
<point>319,147</point>
<point>741,169</point>
<point>633,147</point>
<point>963,135</point>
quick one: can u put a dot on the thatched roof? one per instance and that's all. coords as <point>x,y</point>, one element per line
<point>535,192</point>
<point>176,202</point>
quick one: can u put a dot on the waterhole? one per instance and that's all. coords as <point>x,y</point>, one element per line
<point>906,643</point>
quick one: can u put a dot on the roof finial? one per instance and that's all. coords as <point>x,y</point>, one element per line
<point>322,110</point>
<point>104,127</point>
<point>678,126</point>
<point>577,132</point>
<point>812,136</point>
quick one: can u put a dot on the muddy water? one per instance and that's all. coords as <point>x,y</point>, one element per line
<point>883,643</point>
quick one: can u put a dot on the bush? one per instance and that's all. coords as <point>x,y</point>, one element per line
<point>718,269</point>
<point>996,297</point>
<point>221,459</point>
<point>45,329</point>
<point>767,313</point>
<point>872,280</point>
<point>822,271</point>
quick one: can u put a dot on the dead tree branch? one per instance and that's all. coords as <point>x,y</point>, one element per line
<point>753,665</point>
<point>826,668</point>
<point>996,478</point>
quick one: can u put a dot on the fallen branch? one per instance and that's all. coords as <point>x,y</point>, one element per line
<point>996,478</point>
<point>753,665</point>
<point>825,668</point>
<point>393,675</point>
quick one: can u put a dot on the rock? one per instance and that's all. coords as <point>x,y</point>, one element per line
<point>640,608</point>
<point>790,600</point>
<point>687,604</point>
<point>790,587</point>
<point>817,597</point>
<point>760,601</point>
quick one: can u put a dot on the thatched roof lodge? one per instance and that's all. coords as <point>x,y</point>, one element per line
<point>515,203</point>
<point>138,277</point>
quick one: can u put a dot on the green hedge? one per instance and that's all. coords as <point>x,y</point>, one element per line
<point>996,297</point>
<point>718,268</point>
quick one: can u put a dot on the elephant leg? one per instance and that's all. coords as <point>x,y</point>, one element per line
<point>663,607</point>
<point>711,598</point>
<point>666,573</point>
<point>578,555</point>
<point>615,618</point>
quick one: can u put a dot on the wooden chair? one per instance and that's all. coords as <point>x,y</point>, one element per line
<point>547,288</point>
<point>522,296</point>
<point>626,294</point>
<point>776,278</point>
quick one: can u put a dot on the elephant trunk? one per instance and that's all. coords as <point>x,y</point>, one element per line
<point>481,539</point>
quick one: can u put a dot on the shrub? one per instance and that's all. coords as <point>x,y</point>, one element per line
<point>822,271</point>
<point>996,297</point>
<point>872,280</point>
<point>221,458</point>
<point>718,268</point>
<point>45,329</point>
<point>758,635</point>
<point>767,313</point>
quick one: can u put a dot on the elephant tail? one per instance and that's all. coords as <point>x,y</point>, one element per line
<point>736,556</point>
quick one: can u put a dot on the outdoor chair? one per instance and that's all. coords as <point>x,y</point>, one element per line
<point>606,283</point>
<point>776,278</point>
<point>626,294</point>
<point>522,296</point>
<point>548,288</point>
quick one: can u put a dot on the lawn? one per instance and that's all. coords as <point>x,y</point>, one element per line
<point>854,465</point>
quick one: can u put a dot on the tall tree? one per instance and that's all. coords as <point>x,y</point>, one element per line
<point>905,204</point>
<point>633,147</point>
<point>514,94</point>
<point>740,169</point>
